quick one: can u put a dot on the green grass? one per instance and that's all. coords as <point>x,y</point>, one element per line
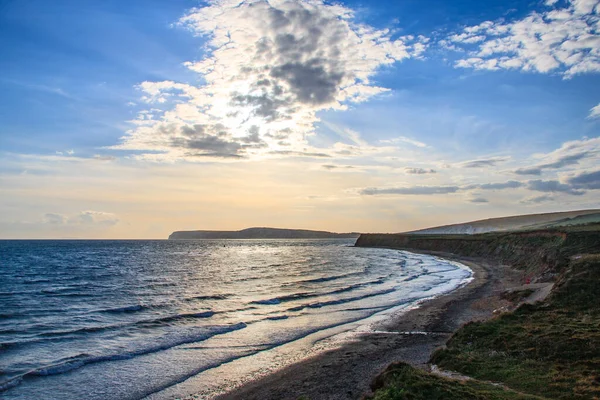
<point>550,349</point>
<point>403,382</point>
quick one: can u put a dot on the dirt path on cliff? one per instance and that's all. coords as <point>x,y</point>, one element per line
<point>346,372</point>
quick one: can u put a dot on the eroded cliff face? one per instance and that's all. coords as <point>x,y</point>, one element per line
<point>537,253</point>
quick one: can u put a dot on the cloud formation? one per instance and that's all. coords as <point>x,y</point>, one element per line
<point>537,199</point>
<point>271,64</point>
<point>497,186</point>
<point>429,190</point>
<point>594,112</point>
<point>570,153</point>
<point>483,163</point>
<point>586,180</point>
<point>419,171</point>
<point>564,40</point>
<point>411,190</point>
<point>553,186</point>
<point>89,217</point>
<point>576,185</point>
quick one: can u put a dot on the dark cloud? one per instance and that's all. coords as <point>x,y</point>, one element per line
<point>332,167</point>
<point>559,163</point>
<point>426,190</point>
<point>419,171</point>
<point>499,186</point>
<point>253,137</point>
<point>414,190</point>
<point>210,146</point>
<point>215,141</point>
<point>264,105</point>
<point>299,153</point>
<point>552,186</point>
<point>483,163</point>
<point>479,200</point>
<point>310,82</point>
<point>529,171</point>
<point>586,180</point>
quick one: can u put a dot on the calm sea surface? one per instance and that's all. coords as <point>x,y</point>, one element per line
<point>126,319</point>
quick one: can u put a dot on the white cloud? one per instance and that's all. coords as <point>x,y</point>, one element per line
<point>562,40</point>
<point>595,112</point>
<point>269,68</point>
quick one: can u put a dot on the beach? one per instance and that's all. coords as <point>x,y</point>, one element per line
<point>346,372</point>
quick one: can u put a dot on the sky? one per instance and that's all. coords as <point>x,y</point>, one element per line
<point>135,119</point>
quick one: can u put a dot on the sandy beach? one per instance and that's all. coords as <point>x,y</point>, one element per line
<point>347,372</point>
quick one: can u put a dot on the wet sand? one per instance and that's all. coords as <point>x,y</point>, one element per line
<point>346,372</point>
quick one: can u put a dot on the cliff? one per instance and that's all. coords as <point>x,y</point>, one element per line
<point>262,233</point>
<point>536,252</point>
<point>519,222</point>
<point>547,348</point>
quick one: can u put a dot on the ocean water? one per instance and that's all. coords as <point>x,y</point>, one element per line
<point>128,319</point>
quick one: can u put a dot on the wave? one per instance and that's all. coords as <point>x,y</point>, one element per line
<point>124,309</point>
<point>19,292</point>
<point>277,317</point>
<point>340,301</point>
<point>306,295</point>
<point>88,329</point>
<point>176,317</point>
<point>144,323</point>
<point>329,278</point>
<point>209,297</point>
<point>34,281</point>
<point>80,360</point>
<point>426,272</point>
<point>276,300</point>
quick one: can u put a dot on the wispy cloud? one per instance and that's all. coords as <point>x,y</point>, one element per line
<point>412,190</point>
<point>430,190</point>
<point>576,186</point>
<point>89,217</point>
<point>483,162</point>
<point>537,199</point>
<point>404,139</point>
<point>570,153</point>
<point>594,112</point>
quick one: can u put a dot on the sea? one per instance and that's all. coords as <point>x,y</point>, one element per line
<point>157,319</point>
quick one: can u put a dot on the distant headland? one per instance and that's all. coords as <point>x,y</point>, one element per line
<point>262,233</point>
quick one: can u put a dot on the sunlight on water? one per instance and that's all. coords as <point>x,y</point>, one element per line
<point>123,319</point>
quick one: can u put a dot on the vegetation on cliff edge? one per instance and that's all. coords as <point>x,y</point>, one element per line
<point>551,349</point>
<point>403,382</point>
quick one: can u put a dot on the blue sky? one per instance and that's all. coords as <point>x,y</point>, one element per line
<point>132,119</point>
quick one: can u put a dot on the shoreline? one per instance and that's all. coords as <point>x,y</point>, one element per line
<point>346,372</point>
